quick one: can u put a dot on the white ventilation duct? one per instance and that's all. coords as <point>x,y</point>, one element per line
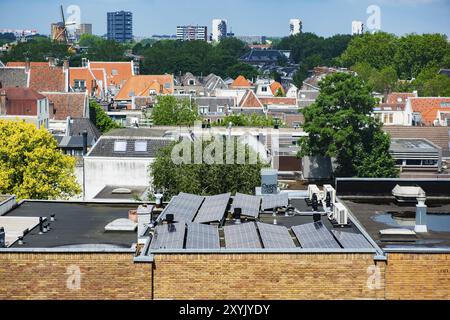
<point>413,194</point>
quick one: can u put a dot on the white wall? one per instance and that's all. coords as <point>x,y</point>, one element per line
<point>100,172</point>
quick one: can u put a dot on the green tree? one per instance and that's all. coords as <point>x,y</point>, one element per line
<point>31,166</point>
<point>430,83</point>
<point>243,69</point>
<point>244,120</point>
<point>100,119</point>
<point>204,178</point>
<point>38,50</point>
<point>172,111</point>
<point>339,126</point>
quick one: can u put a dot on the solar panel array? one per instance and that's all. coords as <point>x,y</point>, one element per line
<point>315,235</point>
<point>275,237</point>
<point>183,207</point>
<point>241,236</point>
<point>169,236</point>
<point>249,204</point>
<point>202,236</point>
<point>275,201</point>
<point>350,240</point>
<point>213,208</point>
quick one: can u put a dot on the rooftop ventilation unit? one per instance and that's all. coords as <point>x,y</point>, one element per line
<point>413,194</point>
<point>314,189</point>
<point>329,195</point>
<point>340,214</point>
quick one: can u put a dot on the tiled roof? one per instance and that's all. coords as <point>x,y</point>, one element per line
<point>46,78</point>
<point>65,104</point>
<point>142,84</point>
<point>429,107</point>
<point>82,74</point>
<point>13,77</point>
<point>399,97</point>
<point>117,73</point>
<point>250,100</point>
<point>78,125</point>
<point>240,82</point>
<point>278,101</point>
<point>13,93</point>
<point>438,135</point>
<point>275,86</point>
<point>105,147</point>
<point>22,64</point>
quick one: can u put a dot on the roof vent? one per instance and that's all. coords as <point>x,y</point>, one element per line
<point>121,191</point>
<point>121,225</point>
<point>408,193</point>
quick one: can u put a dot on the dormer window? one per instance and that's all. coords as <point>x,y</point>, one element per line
<point>114,72</point>
<point>191,82</point>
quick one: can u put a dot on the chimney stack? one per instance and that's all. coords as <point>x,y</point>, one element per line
<point>85,139</point>
<point>51,61</point>
<point>144,215</point>
<point>66,64</point>
<point>2,101</point>
<point>27,65</point>
<point>421,216</point>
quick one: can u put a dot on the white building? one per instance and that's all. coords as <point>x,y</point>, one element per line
<point>121,160</point>
<point>219,29</point>
<point>357,27</point>
<point>192,33</point>
<point>295,26</point>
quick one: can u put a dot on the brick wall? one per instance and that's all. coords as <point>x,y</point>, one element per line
<point>265,276</point>
<point>45,276</point>
<point>418,276</point>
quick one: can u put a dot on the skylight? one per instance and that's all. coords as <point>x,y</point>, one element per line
<point>140,146</point>
<point>120,146</point>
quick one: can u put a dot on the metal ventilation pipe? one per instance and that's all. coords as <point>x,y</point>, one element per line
<point>421,215</point>
<point>2,237</point>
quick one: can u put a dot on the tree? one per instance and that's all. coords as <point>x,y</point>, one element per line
<point>244,120</point>
<point>339,126</point>
<point>172,111</point>
<point>100,119</point>
<point>31,166</point>
<point>430,83</point>
<point>377,49</point>
<point>204,178</point>
<point>38,49</point>
<point>242,69</point>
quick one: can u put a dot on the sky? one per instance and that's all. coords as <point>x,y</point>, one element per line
<point>245,17</point>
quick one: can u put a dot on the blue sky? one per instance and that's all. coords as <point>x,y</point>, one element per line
<point>246,17</point>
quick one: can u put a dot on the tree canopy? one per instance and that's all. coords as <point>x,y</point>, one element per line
<point>197,57</point>
<point>31,166</point>
<point>310,50</point>
<point>339,126</point>
<point>100,119</point>
<point>251,120</point>
<point>204,178</point>
<point>172,111</point>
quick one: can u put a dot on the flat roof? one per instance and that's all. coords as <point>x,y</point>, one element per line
<point>381,213</point>
<point>77,225</point>
<point>111,192</point>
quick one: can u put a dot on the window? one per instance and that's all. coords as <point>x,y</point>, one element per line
<point>79,84</point>
<point>114,72</point>
<point>429,162</point>
<point>412,162</point>
<point>445,104</point>
<point>264,89</point>
<point>204,110</point>
<point>120,146</point>
<point>220,109</point>
<point>140,146</point>
<point>192,82</point>
<point>167,85</point>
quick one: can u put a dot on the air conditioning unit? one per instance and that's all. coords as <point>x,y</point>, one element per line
<point>314,189</point>
<point>340,214</point>
<point>328,189</point>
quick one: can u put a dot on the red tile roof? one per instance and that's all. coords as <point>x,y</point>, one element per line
<point>117,73</point>
<point>392,106</point>
<point>429,107</point>
<point>46,78</point>
<point>278,101</point>
<point>275,86</point>
<point>73,104</point>
<point>241,82</point>
<point>14,93</point>
<point>142,84</point>
<point>22,64</point>
<point>399,97</point>
<point>250,100</point>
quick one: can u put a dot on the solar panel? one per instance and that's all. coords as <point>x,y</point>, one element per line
<point>242,236</point>
<point>315,235</point>
<point>168,236</point>
<point>275,201</point>
<point>213,208</point>
<point>183,207</point>
<point>350,240</point>
<point>202,236</point>
<point>274,236</point>
<point>249,204</point>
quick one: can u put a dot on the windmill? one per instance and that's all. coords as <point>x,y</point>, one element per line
<point>59,30</point>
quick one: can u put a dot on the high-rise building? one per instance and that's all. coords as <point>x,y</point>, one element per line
<point>219,29</point>
<point>120,26</point>
<point>357,27</point>
<point>85,28</point>
<point>192,33</point>
<point>295,26</point>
